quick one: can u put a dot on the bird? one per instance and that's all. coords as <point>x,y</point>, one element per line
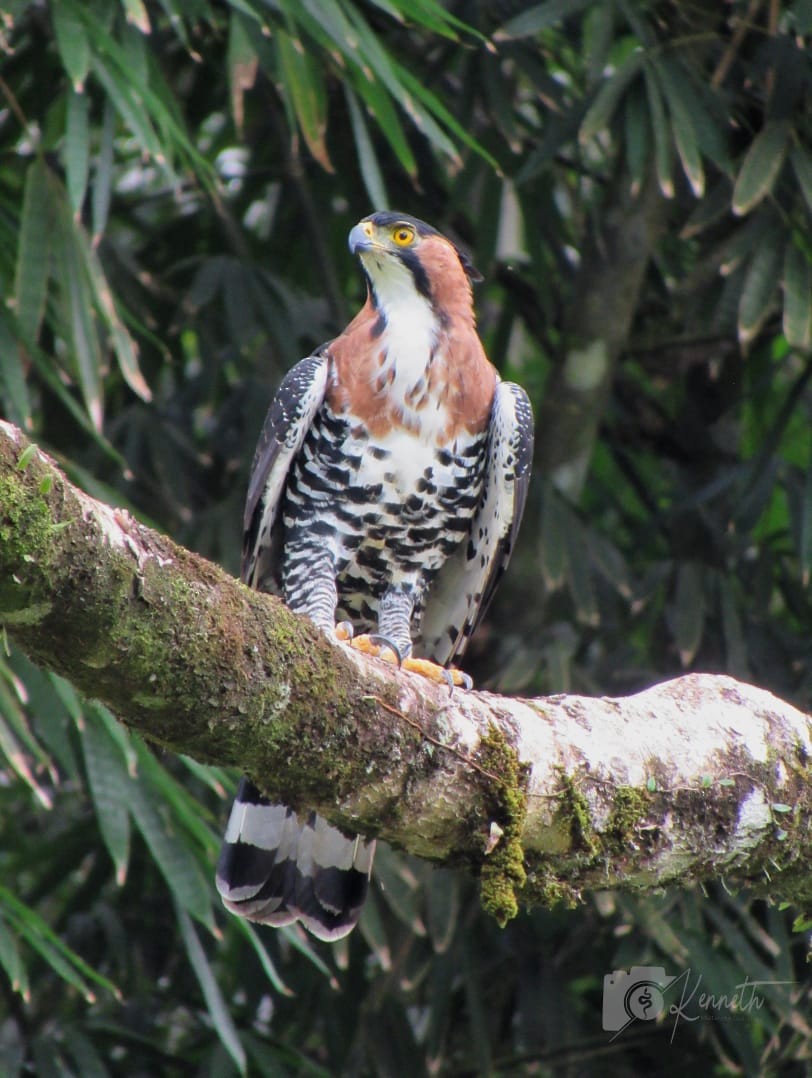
<point>384,500</point>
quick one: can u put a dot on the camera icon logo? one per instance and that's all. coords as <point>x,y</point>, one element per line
<point>637,994</point>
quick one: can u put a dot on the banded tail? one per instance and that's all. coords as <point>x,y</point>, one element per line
<point>277,869</point>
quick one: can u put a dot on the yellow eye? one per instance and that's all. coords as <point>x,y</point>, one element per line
<point>403,235</point>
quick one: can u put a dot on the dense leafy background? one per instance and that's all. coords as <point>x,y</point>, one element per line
<point>177,180</point>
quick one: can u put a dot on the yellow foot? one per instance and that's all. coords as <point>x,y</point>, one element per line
<point>378,648</point>
<point>441,674</point>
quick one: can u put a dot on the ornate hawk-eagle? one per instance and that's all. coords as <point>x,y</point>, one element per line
<point>386,492</point>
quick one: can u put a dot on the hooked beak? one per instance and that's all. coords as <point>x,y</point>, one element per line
<point>360,238</point>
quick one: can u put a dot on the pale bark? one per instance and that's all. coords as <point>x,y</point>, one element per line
<point>698,778</point>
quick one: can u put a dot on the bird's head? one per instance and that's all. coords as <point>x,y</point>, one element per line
<point>402,255</point>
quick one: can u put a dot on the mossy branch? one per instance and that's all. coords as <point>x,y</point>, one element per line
<point>697,778</point>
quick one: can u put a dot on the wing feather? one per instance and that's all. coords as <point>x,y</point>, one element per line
<point>464,586</point>
<point>289,418</point>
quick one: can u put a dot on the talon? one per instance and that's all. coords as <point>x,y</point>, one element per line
<point>344,631</point>
<point>380,647</point>
<point>385,644</point>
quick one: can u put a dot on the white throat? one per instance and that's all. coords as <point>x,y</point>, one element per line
<point>411,325</point>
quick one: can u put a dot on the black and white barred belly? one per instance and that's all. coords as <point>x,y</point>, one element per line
<point>378,512</point>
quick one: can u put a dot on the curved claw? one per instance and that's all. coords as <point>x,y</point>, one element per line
<point>384,642</point>
<point>344,631</point>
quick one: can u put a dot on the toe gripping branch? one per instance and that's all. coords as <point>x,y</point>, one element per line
<point>381,647</point>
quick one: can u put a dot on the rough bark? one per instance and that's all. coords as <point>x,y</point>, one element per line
<point>697,778</point>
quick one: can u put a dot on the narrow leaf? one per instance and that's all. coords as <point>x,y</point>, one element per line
<point>689,611</point>
<point>77,323</point>
<point>242,62</point>
<point>12,962</point>
<point>805,530</point>
<point>85,1056</point>
<point>761,166</point>
<point>16,757</point>
<point>77,149</point>
<point>760,284</point>
<point>107,778</point>
<point>802,164</point>
<point>603,107</point>
<point>797,298</point>
<point>137,15</point>
<point>172,855</point>
<point>304,83</point>
<point>380,105</point>
<point>271,972</point>
<point>217,1007</point>
<point>683,126</point>
<point>637,136</point>
<point>663,155</point>
<point>72,42</point>
<point>13,387</point>
<point>124,346</point>
<point>36,932</point>
<point>538,18</point>
<point>103,174</point>
<point>367,159</point>
<point>33,254</point>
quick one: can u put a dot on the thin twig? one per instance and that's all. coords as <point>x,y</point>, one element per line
<point>434,741</point>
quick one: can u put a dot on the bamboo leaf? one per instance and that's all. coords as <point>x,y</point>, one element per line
<point>13,386</point>
<point>84,1054</point>
<point>172,855</point>
<point>579,575</point>
<point>185,808</point>
<point>249,931</point>
<point>242,62</point>
<point>539,17</point>
<point>13,751</point>
<point>805,530</point>
<point>797,298</point>
<point>663,155</point>
<point>760,284</point>
<point>689,611</point>
<point>103,172</point>
<point>107,777</point>
<point>64,961</point>
<point>12,962</point>
<point>136,14</point>
<point>135,117</point>
<point>802,164</point>
<point>34,251</point>
<point>600,112</point>
<point>77,149</point>
<point>304,84</point>
<point>388,122</point>
<point>217,1007</point>
<point>761,165</point>
<point>367,160</point>
<point>124,346</point>
<point>637,136</point>
<point>78,322</point>
<point>683,126</point>
<point>72,42</point>
<point>553,538</point>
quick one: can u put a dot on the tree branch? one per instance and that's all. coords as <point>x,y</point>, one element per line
<point>697,778</point>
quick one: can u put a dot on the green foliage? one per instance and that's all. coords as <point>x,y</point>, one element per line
<point>176,185</point>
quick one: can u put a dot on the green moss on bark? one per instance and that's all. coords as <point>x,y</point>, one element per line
<point>503,872</point>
